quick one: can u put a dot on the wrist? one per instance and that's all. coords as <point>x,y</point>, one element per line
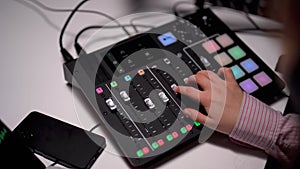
<point>256,124</point>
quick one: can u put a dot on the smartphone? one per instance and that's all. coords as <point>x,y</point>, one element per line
<point>60,141</point>
<point>12,149</point>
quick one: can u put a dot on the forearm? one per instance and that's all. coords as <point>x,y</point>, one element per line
<point>262,127</point>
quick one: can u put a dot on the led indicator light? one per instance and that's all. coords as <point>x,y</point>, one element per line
<point>169,137</point>
<point>160,142</point>
<point>154,145</point>
<point>99,90</point>
<point>197,123</point>
<point>113,84</point>
<point>2,134</point>
<point>183,130</point>
<point>127,78</point>
<point>139,153</point>
<point>188,127</point>
<point>175,134</point>
<point>145,150</point>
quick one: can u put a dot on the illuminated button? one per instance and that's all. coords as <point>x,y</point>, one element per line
<point>149,103</point>
<point>211,46</point>
<point>175,134</point>
<point>113,84</point>
<point>160,142</point>
<point>224,40</point>
<point>99,90</point>
<point>145,150</point>
<point>124,96</point>
<point>236,52</point>
<point>139,153</point>
<point>249,65</point>
<point>110,103</point>
<point>167,39</point>
<point>197,123</point>
<point>237,72</point>
<point>163,97</point>
<point>223,59</point>
<point>188,127</point>
<point>141,72</point>
<point>183,130</point>
<point>154,145</point>
<point>127,78</point>
<point>169,137</point>
<point>249,86</point>
<point>262,79</point>
<point>167,61</point>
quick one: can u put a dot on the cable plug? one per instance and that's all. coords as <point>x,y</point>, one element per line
<point>66,55</point>
<point>79,49</point>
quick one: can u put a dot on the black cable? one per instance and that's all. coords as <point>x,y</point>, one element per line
<point>53,164</point>
<point>174,11</point>
<point>41,5</point>
<point>255,29</point>
<point>137,18</point>
<point>96,126</point>
<point>78,47</point>
<point>103,26</point>
<point>252,21</point>
<point>256,26</point>
<point>66,55</point>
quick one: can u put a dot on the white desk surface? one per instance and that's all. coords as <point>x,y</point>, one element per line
<point>32,79</point>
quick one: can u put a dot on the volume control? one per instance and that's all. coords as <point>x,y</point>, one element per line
<point>110,103</point>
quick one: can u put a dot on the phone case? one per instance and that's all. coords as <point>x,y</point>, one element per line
<point>59,141</point>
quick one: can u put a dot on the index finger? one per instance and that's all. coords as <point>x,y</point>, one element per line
<point>199,79</point>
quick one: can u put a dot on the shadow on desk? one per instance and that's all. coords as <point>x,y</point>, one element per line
<point>222,140</point>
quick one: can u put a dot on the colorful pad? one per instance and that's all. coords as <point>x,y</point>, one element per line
<point>249,86</point>
<point>236,52</point>
<point>262,79</point>
<point>237,72</point>
<point>211,46</point>
<point>249,65</point>
<point>224,40</point>
<point>223,59</point>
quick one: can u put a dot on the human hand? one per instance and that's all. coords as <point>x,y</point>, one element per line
<point>221,99</point>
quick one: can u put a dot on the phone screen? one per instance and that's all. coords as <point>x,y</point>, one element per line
<point>59,141</point>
